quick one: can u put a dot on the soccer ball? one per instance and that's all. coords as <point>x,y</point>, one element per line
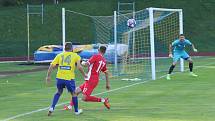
<point>131,23</point>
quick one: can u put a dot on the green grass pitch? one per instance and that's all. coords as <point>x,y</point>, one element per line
<point>183,98</point>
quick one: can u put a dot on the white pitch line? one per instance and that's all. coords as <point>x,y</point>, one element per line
<point>12,61</point>
<point>42,109</point>
<point>206,66</point>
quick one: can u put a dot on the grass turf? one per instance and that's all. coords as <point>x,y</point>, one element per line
<point>183,98</point>
<point>16,66</point>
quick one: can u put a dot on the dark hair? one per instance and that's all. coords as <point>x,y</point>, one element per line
<point>181,35</point>
<point>102,49</point>
<point>68,46</point>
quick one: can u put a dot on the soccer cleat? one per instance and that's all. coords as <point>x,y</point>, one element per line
<point>50,111</point>
<point>192,74</point>
<point>80,111</point>
<point>168,77</point>
<point>107,104</point>
<point>67,107</point>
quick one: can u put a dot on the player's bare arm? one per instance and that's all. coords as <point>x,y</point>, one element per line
<point>194,49</point>
<point>170,50</point>
<point>107,80</point>
<point>48,77</point>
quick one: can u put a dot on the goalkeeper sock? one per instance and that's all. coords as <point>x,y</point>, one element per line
<point>92,99</point>
<point>55,100</point>
<point>75,102</point>
<point>191,67</point>
<point>171,69</point>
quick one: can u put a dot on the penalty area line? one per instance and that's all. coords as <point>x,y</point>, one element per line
<point>43,109</point>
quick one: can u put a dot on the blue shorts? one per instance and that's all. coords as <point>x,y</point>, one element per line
<point>177,55</point>
<point>69,84</point>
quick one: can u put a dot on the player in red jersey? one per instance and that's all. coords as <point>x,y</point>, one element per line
<point>96,64</point>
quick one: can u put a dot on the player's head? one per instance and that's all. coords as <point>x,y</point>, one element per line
<point>102,49</point>
<point>181,37</point>
<point>68,46</point>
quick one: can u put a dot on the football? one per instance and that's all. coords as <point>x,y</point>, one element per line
<point>131,23</point>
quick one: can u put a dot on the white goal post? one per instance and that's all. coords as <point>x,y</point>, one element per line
<point>151,19</point>
<point>155,27</point>
<point>63,28</point>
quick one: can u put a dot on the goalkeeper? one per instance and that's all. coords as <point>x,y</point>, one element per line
<point>178,52</point>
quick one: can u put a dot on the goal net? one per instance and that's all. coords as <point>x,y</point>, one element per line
<point>140,52</point>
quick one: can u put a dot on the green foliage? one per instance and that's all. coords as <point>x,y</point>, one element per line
<point>199,23</point>
<point>8,2</point>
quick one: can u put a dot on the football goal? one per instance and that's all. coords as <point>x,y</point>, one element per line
<point>139,52</point>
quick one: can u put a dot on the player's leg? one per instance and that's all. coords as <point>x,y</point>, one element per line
<point>171,68</point>
<point>87,91</point>
<point>56,97</point>
<point>89,98</point>
<point>69,107</point>
<point>188,58</point>
<point>78,90</point>
<point>75,104</point>
<point>176,57</point>
<point>60,85</point>
<point>70,85</point>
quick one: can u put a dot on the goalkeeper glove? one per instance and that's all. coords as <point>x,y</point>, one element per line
<point>195,50</point>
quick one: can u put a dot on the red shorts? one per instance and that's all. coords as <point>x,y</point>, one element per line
<point>88,87</point>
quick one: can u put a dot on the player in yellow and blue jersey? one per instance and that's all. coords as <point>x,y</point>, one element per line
<point>178,47</point>
<point>66,63</point>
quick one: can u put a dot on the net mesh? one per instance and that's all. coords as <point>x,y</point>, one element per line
<point>166,30</point>
<point>133,44</point>
<point>79,28</point>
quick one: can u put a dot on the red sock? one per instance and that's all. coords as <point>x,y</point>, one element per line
<point>71,103</point>
<point>92,99</point>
